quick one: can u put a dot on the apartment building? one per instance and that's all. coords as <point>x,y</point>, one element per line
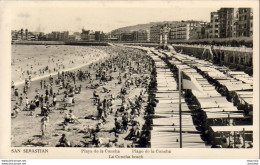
<point>214,25</point>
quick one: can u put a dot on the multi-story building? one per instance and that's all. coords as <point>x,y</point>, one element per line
<point>155,33</point>
<point>31,36</point>
<point>183,31</point>
<point>99,36</point>
<point>49,36</point>
<point>135,35</point>
<point>244,23</point>
<point>234,22</point>
<point>92,36</point>
<point>141,35</point>
<point>23,35</point>
<point>127,36</point>
<point>114,36</point>
<point>144,35</point>
<point>251,23</point>
<point>231,22</point>
<point>207,31</point>
<point>204,30</point>
<point>72,38</point>
<point>214,25</point>
<point>225,22</point>
<point>14,35</point>
<point>88,35</point>
<point>85,34</point>
<point>77,35</point>
<point>64,36</point>
<point>186,30</point>
<point>55,35</point>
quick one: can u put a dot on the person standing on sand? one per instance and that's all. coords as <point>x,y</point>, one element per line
<point>44,84</point>
<point>37,102</point>
<point>105,107</point>
<point>46,99</point>
<point>41,100</point>
<point>20,99</point>
<point>54,101</point>
<point>25,91</point>
<point>41,83</point>
<point>51,91</point>
<point>44,122</point>
<point>46,92</point>
<point>100,110</point>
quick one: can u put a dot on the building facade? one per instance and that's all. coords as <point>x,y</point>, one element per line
<point>155,33</point>
<point>224,15</point>
<point>245,22</point>
<point>127,36</point>
<point>64,36</point>
<point>251,22</point>
<point>23,35</point>
<point>141,36</point>
<point>233,22</point>
<point>214,25</point>
<point>187,30</point>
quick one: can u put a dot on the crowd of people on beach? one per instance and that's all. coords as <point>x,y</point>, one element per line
<point>127,113</point>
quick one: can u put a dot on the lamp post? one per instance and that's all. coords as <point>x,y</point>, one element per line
<point>180,111</point>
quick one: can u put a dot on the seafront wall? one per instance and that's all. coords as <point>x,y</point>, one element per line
<point>234,58</point>
<point>143,44</point>
<point>60,43</point>
<point>39,42</point>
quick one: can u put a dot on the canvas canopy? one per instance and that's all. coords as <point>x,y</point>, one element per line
<point>232,128</point>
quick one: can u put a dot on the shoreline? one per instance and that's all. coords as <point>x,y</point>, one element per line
<point>19,83</point>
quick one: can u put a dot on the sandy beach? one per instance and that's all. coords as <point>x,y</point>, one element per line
<point>26,128</point>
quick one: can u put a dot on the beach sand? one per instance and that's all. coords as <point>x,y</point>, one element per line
<point>25,127</point>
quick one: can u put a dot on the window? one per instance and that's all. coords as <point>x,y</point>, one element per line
<point>231,59</point>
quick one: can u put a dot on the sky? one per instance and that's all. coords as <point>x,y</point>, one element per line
<point>103,18</point>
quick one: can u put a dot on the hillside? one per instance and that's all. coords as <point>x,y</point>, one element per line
<point>141,26</point>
